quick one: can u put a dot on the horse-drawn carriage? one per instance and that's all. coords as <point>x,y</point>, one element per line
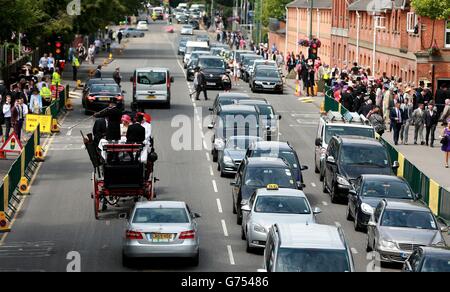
<point>120,173</point>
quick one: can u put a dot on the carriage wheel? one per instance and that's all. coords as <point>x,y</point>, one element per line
<point>96,197</point>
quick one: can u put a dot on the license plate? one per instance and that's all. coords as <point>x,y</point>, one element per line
<point>269,86</point>
<point>161,237</point>
<point>211,84</point>
<point>151,97</point>
<point>104,98</point>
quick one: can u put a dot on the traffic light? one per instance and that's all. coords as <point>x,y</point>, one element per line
<point>58,48</point>
<point>312,52</point>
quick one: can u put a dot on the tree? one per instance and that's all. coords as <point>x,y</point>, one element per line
<point>433,9</point>
<point>274,9</point>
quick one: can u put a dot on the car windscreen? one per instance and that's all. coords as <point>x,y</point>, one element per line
<point>312,260</point>
<point>434,264</point>
<point>408,219</point>
<point>263,176</point>
<point>189,50</point>
<point>160,215</point>
<point>243,120</point>
<point>151,78</point>
<point>391,189</point>
<point>187,26</point>
<point>249,60</point>
<point>288,156</point>
<point>354,155</point>
<point>241,143</point>
<point>105,88</point>
<point>267,73</point>
<point>282,205</point>
<point>211,63</point>
<point>266,110</point>
<point>347,131</point>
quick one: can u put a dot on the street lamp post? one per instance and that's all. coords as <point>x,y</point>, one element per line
<point>311,20</point>
<point>376,27</point>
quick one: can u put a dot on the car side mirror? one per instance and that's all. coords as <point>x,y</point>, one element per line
<point>318,142</point>
<point>304,167</point>
<point>444,229</point>
<point>131,79</point>
<point>211,109</point>
<point>246,208</point>
<point>233,184</point>
<point>331,160</point>
<point>210,126</point>
<point>372,224</point>
<point>172,79</point>
<point>352,193</point>
<point>395,165</point>
<point>317,211</point>
<point>196,215</point>
<point>419,196</point>
<point>280,117</point>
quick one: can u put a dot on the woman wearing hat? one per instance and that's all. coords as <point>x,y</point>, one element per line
<point>446,142</point>
<point>126,121</point>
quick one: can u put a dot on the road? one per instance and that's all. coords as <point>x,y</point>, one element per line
<point>58,217</point>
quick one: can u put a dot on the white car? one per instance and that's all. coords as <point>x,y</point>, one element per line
<point>187,30</point>
<point>142,26</point>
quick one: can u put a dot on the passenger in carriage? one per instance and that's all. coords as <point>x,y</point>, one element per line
<point>126,122</point>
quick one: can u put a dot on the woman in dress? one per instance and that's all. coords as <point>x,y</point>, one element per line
<point>446,145</point>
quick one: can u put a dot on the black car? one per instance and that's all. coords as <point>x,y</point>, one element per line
<point>349,157</point>
<point>226,98</point>
<point>367,192</point>
<point>282,150</point>
<point>268,116</point>
<point>93,81</point>
<point>246,61</point>
<point>183,19</point>
<point>267,79</point>
<point>99,97</point>
<point>233,120</point>
<point>195,24</point>
<point>428,259</point>
<point>256,173</point>
<point>193,64</point>
<point>214,68</point>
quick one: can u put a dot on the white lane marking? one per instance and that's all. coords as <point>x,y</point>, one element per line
<point>69,133</point>
<point>219,206</point>
<point>208,157</point>
<point>313,185</point>
<point>224,227</point>
<point>354,250</point>
<point>195,110</point>
<point>211,171</point>
<point>215,186</point>
<point>324,203</point>
<point>193,102</point>
<point>230,254</point>
<point>198,117</point>
<point>338,224</point>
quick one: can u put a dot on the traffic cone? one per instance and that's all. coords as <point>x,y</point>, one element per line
<point>297,88</point>
<point>24,186</point>
<point>322,108</point>
<point>55,127</point>
<point>4,226</point>
<point>110,56</point>
<point>78,83</point>
<point>69,105</point>
<point>39,154</point>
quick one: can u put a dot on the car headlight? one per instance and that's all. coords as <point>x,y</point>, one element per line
<point>440,244</point>
<point>259,228</point>
<point>258,82</point>
<point>342,181</point>
<point>388,244</point>
<point>219,144</point>
<point>367,209</point>
<point>228,160</point>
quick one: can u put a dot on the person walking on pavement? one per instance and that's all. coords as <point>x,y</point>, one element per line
<point>98,72</point>
<point>407,108</point>
<point>75,67</point>
<point>201,86</point>
<point>7,115</point>
<point>18,114</point>
<point>446,142</point>
<point>431,121</point>
<point>377,121</point>
<point>418,120</point>
<point>396,121</point>
<point>445,113</point>
<point>119,37</point>
<point>117,77</point>
<point>91,54</point>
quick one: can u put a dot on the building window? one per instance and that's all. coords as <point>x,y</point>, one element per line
<point>411,22</point>
<point>447,34</point>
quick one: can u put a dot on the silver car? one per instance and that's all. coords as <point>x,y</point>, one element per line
<point>132,32</point>
<point>161,229</point>
<point>397,227</point>
<point>271,206</point>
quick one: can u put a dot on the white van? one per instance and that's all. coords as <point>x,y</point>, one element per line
<point>151,86</point>
<point>183,6</point>
<point>200,7</point>
<point>194,46</point>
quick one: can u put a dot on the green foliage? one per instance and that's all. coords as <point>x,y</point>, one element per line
<point>434,9</point>
<point>274,9</point>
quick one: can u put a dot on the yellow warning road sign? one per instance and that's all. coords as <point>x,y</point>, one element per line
<point>45,122</point>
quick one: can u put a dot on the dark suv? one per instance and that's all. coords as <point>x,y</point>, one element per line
<point>257,173</point>
<point>214,68</point>
<point>350,157</point>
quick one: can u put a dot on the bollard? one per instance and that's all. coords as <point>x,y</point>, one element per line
<point>24,186</point>
<point>68,105</point>
<point>4,223</point>
<point>39,154</point>
<point>55,127</point>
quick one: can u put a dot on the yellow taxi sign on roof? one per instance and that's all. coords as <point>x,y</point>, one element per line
<point>272,187</point>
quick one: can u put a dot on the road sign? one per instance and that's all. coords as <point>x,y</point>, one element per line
<point>12,144</point>
<point>3,223</point>
<point>44,122</point>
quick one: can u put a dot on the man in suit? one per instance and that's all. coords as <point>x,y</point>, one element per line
<point>396,117</point>
<point>407,107</point>
<point>201,85</point>
<point>431,120</point>
<point>418,120</point>
<point>136,132</point>
<point>113,114</point>
<point>99,130</point>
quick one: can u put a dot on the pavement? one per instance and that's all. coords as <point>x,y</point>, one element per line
<point>58,218</point>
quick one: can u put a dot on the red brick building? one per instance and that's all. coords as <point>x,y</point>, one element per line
<point>402,40</point>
